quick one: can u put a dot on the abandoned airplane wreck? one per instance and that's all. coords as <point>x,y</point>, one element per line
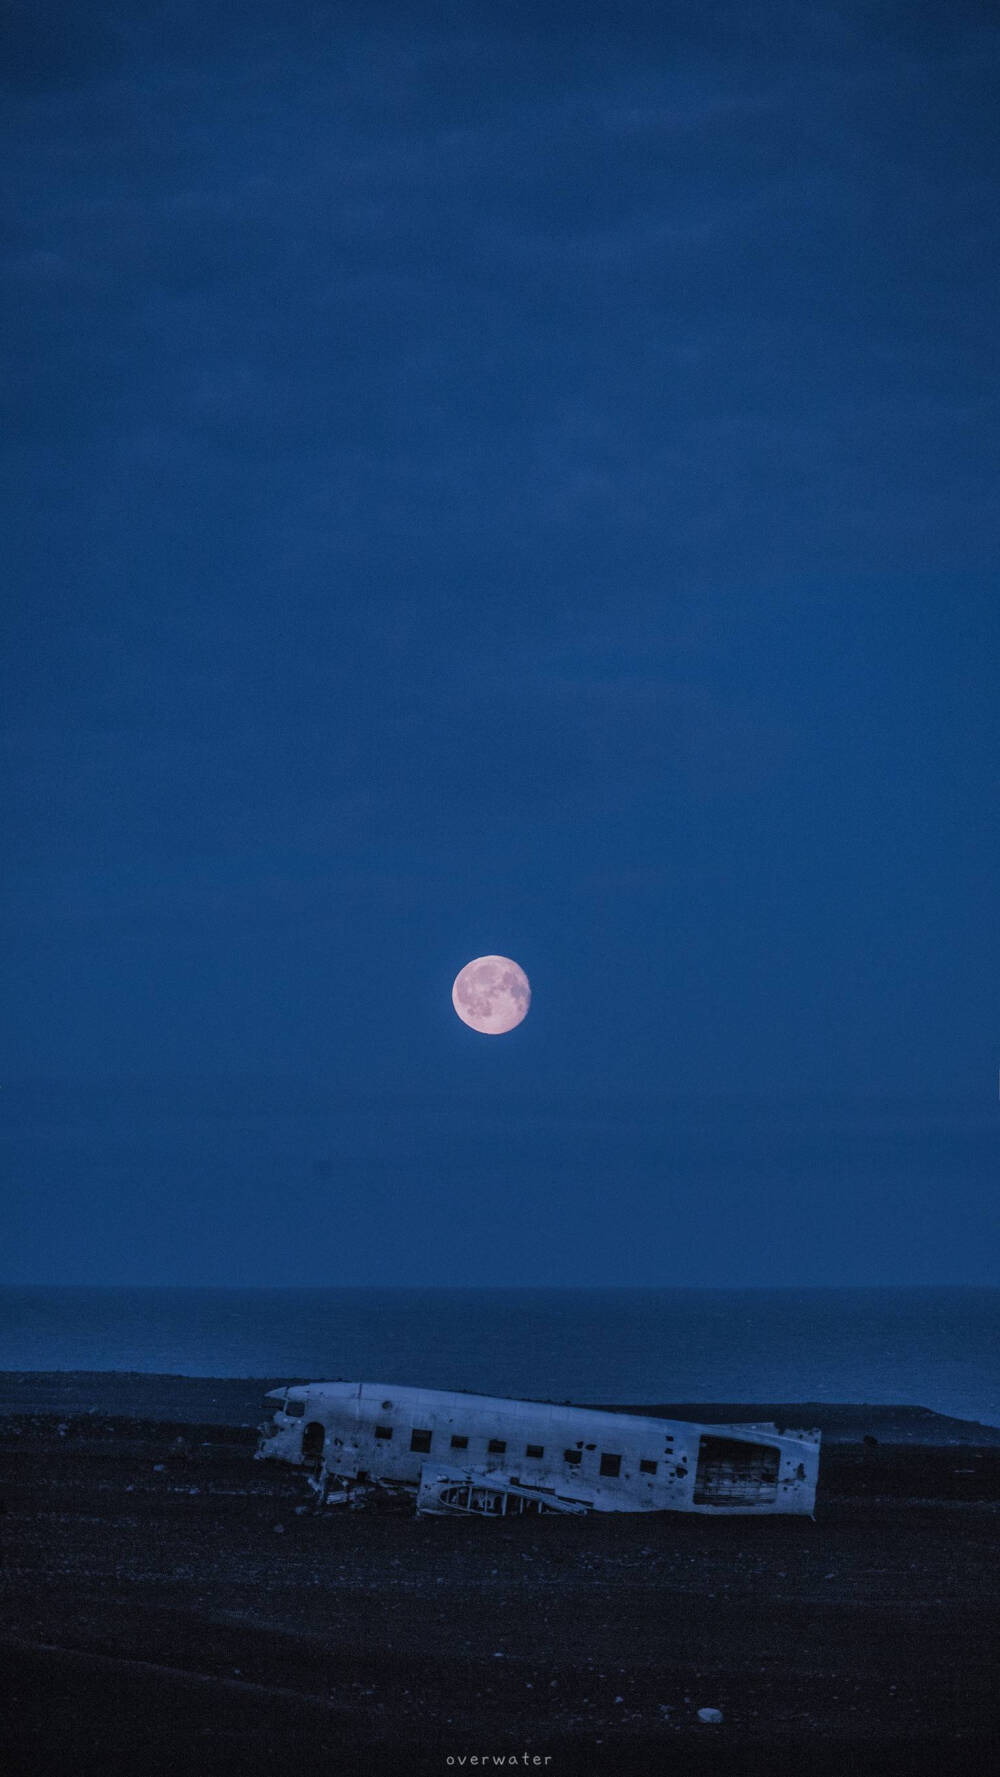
<point>472,1454</point>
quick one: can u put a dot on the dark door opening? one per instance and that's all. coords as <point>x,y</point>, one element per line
<point>313,1439</point>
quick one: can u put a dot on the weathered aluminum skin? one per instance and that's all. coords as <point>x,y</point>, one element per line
<point>350,1432</point>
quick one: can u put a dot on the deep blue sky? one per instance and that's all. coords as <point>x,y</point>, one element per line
<point>477,481</point>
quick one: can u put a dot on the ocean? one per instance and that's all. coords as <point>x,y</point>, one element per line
<point>937,1348</point>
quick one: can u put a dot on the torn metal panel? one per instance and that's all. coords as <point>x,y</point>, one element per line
<point>481,1454</point>
<point>485,1494</point>
<point>733,1472</point>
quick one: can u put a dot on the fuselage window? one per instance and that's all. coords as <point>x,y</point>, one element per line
<point>647,1466</point>
<point>295,1409</point>
<point>420,1440</point>
<point>571,1455</point>
<point>497,1446</point>
<point>535,1450</point>
<point>459,1443</point>
<point>610,1464</point>
<point>383,1431</point>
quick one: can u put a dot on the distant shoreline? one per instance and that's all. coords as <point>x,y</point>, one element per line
<point>238,1401</point>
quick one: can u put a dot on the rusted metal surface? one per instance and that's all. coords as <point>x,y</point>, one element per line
<point>480,1454</point>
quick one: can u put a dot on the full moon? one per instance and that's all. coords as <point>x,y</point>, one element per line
<point>491,994</point>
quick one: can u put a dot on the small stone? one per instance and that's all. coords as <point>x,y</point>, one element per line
<point>710,1715</point>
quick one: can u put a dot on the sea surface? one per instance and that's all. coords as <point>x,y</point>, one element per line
<point>937,1348</point>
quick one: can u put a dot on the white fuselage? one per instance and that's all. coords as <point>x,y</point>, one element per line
<point>606,1462</point>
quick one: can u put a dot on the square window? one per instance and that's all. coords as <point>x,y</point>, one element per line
<point>572,1456</point>
<point>647,1466</point>
<point>420,1440</point>
<point>610,1464</point>
<point>383,1431</point>
<point>295,1409</point>
<point>535,1450</point>
<point>497,1446</point>
<point>459,1443</point>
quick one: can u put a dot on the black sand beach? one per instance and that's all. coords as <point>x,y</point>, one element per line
<point>171,1606</point>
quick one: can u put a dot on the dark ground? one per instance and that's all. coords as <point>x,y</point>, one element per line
<point>156,1619</point>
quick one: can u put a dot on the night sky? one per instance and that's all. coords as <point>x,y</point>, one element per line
<point>483,479</point>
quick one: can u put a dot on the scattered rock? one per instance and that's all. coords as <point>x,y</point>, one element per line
<point>710,1715</point>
